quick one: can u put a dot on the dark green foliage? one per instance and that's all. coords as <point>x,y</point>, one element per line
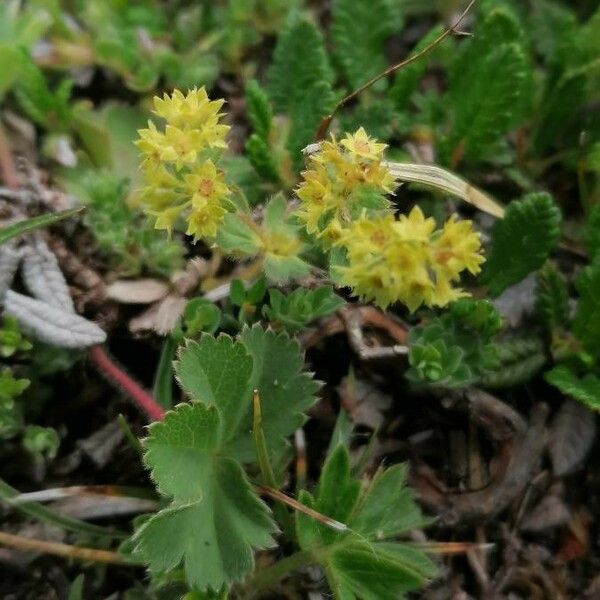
<point>586,325</point>
<point>521,241</point>
<point>513,362</point>
<point>552,302</point>
<point>359,30</point>
<point>592,232</point>
<point>407,79</point>
<point>300,81</point>
<point>258,109</point>
<point>454,349</point>
<point>490,85</point>
<point>296,310</point>
<point>585,389</point>
<point>261,157</point>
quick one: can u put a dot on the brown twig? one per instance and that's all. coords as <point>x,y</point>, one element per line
<point>522,454</point>
<point>7,164</point>
<point>72,552</point>
<point>326,121</point>
<point>293,503</point>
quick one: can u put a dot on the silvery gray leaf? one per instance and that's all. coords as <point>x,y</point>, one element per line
<point>517,301</point>
<point>52,324</point>
<point>9,263</point>
<point>571,437</point>
<point>43,278</point>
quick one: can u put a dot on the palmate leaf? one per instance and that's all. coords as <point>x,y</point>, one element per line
<point>359,30</point>
<point>360,563</point>
<point>522,241</point>
<point>286,392</point>
<point>585,389</point>
<point>215,520</point>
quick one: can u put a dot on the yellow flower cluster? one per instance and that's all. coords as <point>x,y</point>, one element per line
<point>181,177</point>
<point>337,170</point>
<point>407,260</point>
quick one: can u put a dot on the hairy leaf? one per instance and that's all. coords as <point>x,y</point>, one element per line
<point>258,109</point>
<point>216,371</point>
<point>522,241</point>
<point>359,30</point>
<point>490,84</point>
<point>261,156</point>
<point>299,81</point>
<point>552,302</point>
<point>586,325</point>
<point>585,389</point>
<point>215,520</point>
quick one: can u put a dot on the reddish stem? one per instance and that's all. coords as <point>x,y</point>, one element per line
<point>140,396</point>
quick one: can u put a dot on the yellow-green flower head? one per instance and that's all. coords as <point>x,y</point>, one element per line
<point>407,260</point>
<point>181,177</point>
<point>337,170</point>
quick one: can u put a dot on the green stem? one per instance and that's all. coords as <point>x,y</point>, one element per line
<point>266,579</point>
<point>281,512</point>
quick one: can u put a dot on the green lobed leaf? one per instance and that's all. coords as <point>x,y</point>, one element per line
<point>215,519</point>
<point>358,564</point>
<point>298,309</point>
<point>585,389</point>
<point>521,241</point>
<point>359,30</point>
<point>586,325</point>
<point>216,372</point>
<point>286,392</point>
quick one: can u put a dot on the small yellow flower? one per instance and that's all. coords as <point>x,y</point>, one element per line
<point>179,177</point>
<point>338,170</point>
<point>360,144</point>
<point>407,260</point>
<point>165,219</point>
<point>206,183</point>
<point>204,219</point>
